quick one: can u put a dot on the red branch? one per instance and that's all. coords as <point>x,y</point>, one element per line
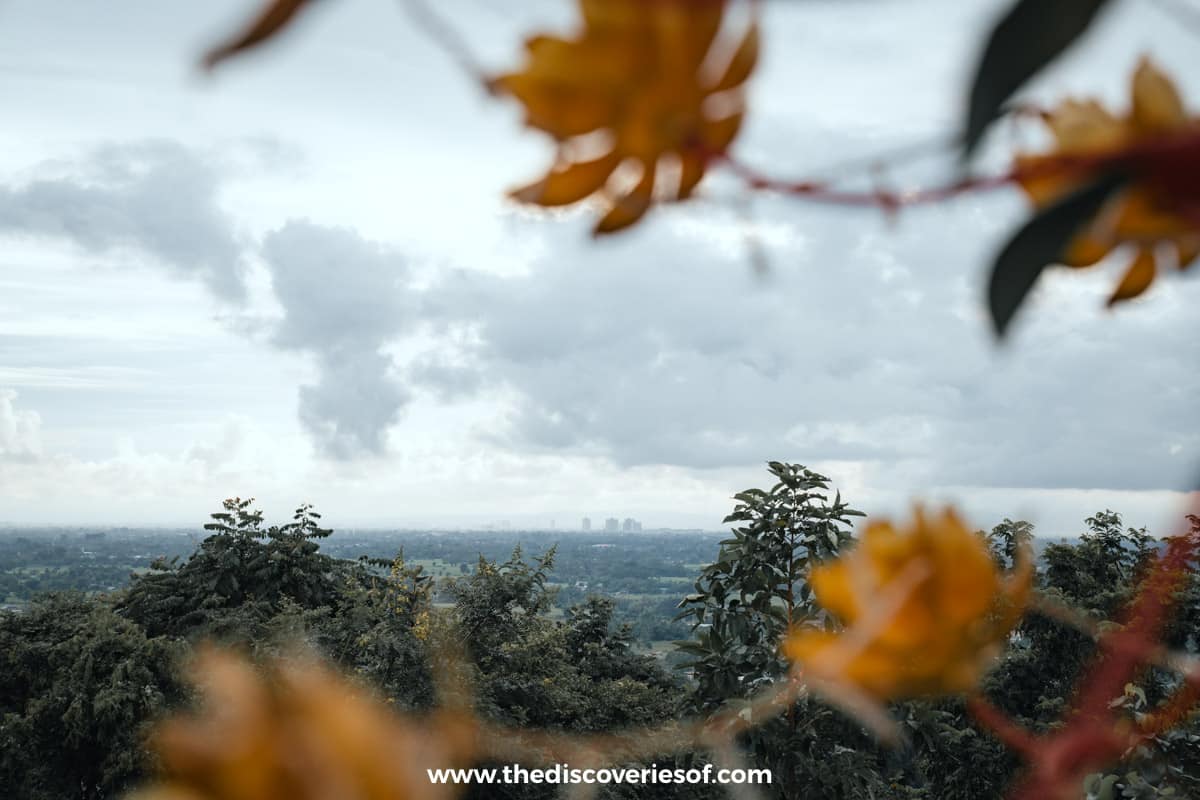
<point>1010,734</point>
<point>1170,161</point>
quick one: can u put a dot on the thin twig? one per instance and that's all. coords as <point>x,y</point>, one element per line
<point>1144,156</point>
<point>446,37</point>
<point>892,157</point>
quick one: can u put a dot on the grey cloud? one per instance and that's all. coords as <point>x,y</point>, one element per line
<point>158,198</point>
<point>342,297</point>
<point>337,289</point>
<point>660,349</point>
<point>1110,408</point>
<point>214,455</point>
<point>352,405</point>
<point>344,300</point>
<point>862,344</point>
<point>663,347</point>
<point>450,381</point>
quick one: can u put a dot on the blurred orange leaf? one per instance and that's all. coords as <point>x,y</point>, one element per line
<point>637,84</point>
<point>1150,216</point>
<point>273,18</point>
<point>926,609</point>
<point>296,731</point>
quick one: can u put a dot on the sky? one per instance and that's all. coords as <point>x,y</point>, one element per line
<point>299,279</point>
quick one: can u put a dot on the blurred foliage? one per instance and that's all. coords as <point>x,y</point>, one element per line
<point>640,110</point>
<point>925,607</point>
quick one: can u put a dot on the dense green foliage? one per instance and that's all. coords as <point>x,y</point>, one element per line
<point>78,684</point>
<point>1035,682</point>
<point>240,574</point>
<point>746,602</point>
<point>756,590</point>
<point>83,675</point>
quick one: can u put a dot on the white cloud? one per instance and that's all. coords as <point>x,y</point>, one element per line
<point>155,197</point>
<point>343,300</point>
<point>20,431</point>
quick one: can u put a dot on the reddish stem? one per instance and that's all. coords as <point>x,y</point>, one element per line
<point>1156,158</point>
<point>1008,732</point>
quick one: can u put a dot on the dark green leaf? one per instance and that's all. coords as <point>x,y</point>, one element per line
<point>1041,242</point>
<point>1030,36</point>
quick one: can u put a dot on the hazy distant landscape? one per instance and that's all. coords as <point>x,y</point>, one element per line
<point>646,573</point>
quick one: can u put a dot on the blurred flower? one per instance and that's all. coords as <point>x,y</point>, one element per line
<point>298,732</point>
<point>925,609</point>
<point>1151,215</point>
<point>637,81</point>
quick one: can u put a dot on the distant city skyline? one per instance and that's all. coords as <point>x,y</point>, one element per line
<point>1158,527</point>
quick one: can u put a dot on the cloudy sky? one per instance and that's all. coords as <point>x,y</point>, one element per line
<point>298,279</point>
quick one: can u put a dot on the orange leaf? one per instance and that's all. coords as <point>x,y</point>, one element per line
<point>719,134</point>
<point>1156,102</point>
<point>925,610</point>
<point>631,76</point>
<point>1154,211</point>
<point>561,110</point>
<point>742,63</point>
<point>1137,278</point>
<point>1085,251</point>
<point>629,208</point>
<point>691,170</point>
<point>1187,248</point>
<point>298,731</point>
<point>563,187</point>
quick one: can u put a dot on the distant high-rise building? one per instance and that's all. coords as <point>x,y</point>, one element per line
<point>612,525</point>
<point>631,525</point>
<point>587,524</point>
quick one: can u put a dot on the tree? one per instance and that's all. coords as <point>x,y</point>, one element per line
<point>1038,677</point>
<point>1097,577</point>
<point>1007,539</point>
<point>746,602</point>
<point>78,687</point>
<point>1099,574</point>
<point>238,578</point>
<point>580,674</point>
<point>757,589</point>
<point>380,628</point>
<point>500,603</point>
